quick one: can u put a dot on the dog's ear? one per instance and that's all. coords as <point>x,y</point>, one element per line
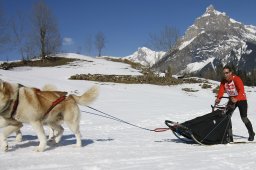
<point>3,85</point>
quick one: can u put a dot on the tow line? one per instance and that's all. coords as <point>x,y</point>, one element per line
<point>106,115</point>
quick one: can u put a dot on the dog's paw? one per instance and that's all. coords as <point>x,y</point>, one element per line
<point>18,138</point>
<point>58,136</point>
<point>39,149</point>
<point>4,148</point>
<point>78,145</point>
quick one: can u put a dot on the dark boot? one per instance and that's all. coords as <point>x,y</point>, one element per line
<point>248,125</point>
<point>251,136</point>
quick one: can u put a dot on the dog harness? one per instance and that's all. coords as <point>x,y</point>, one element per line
<point>55,103</point>
<point>16,102</point>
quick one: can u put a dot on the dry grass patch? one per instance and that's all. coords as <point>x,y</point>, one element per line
<point>48,62</point>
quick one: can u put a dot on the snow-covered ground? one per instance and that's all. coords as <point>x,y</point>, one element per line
<point>108,144</point>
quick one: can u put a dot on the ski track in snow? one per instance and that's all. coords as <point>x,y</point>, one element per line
<point>108,144</point>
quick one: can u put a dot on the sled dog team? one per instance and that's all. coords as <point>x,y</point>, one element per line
<point>20,104</point>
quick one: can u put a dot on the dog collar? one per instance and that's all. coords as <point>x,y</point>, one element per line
<point>16,102</point>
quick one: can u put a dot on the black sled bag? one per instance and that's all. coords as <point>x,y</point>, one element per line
<point>212,128</point>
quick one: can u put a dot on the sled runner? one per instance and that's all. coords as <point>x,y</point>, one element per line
<point>243,142</point>
<point>209,129</point>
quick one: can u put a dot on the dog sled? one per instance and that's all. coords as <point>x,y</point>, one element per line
<point>209,129</point>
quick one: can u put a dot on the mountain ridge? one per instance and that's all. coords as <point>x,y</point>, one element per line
<point>212,41</point>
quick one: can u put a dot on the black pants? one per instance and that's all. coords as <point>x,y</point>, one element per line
<point>243,106</point>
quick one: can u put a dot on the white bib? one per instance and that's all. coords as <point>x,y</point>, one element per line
<point>231,89</point>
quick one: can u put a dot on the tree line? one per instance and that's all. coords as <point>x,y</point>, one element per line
<point>37,36</point>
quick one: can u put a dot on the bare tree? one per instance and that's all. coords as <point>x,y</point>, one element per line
<point>20,36</point>
<point>164,40</point>
<point>99,42</point>
<point>46,32</point>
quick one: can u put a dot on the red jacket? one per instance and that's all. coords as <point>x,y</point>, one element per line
<point>234,88</point>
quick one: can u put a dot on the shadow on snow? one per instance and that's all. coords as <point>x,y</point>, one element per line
<point>30,140</point>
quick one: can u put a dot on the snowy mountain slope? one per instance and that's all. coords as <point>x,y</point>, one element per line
<point>213,35</point>
<point>145,56</point>
<point>108,144</point>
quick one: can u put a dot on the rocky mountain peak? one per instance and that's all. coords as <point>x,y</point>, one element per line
<point>210,9</point>
<point>211,21</point>
<point>212,41</point>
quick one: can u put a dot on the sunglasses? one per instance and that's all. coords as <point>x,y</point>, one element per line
<point>226,72</point>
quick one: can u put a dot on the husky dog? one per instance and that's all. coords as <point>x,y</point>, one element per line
<point>20,104</point>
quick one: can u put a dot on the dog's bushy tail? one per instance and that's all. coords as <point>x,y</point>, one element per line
<point>49,87</point>
<point>88,97</point>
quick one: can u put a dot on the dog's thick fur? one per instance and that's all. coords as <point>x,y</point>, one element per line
<point>32,108</point>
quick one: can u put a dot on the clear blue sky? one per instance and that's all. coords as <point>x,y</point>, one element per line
<point>127,23</point>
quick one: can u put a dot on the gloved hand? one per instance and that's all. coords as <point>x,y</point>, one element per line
<point>233,99</point>
<point>230,107</point>
<point>217,101</point>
